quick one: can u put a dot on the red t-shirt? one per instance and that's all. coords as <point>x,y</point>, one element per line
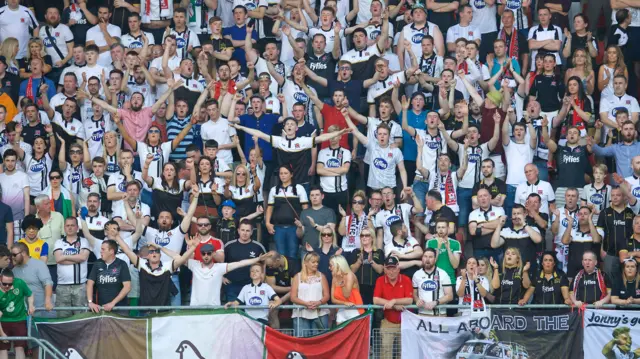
<point>215,242</point>
<point>333,116</point>
<point>385,290</point>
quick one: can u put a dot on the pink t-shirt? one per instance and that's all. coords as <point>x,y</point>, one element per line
<point>136,123</point>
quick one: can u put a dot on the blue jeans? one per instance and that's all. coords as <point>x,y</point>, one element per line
<point>543,169</point>
<point>232,290</point>
<point>488,253</point>
<point>420,189</point>
<point>509,201</point>
<point>286,240</point>
<point>176,300</point>
<point>310,327</point>
<point>464,203</point>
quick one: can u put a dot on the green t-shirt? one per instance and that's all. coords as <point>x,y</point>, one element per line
<point>12,303</point>
<point>443,259</point>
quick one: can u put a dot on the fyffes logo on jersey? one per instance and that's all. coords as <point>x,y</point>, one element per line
<point>429,286</point>
<point>157,154</point>
<point>565,223</point>
<point>616,109</point>
<point>514,4</point>
<point>112,167</point>
<point>333,163</point>
<point>122,186</point>
<point>392,219</point>
<point>417,38</point>
<point>97,135</point>
<point>162,241</point>
<point>301,97</point>
<point>255,301</point>
<point>380,163</point>
<point>636,192</point>
<point>70,251</point>
<point>180,43</point>
<point>49,41</point>
<point>250,6</point>
<point>596,199</point>
<point>135,45</point>
<point>474,158</point>
<point>75,177</point>
<point>479,4</point>
<point>37,167</point>
<point>374,34</point>
<point>433,145</point>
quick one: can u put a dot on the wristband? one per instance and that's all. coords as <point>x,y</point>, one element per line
<point>84,212</point>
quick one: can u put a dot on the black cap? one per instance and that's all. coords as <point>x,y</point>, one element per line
<point>391,262</point>
<point>207,248</point>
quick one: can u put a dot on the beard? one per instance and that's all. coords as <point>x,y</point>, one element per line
<point>136,108</point>
<point>53,24</point>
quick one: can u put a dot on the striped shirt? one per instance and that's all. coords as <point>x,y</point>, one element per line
<point>174,127</point>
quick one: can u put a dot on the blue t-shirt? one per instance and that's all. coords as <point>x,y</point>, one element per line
<point>36,84</point>
<point>409,147</point>
<point>6,215</point>
<point>266,124</point>
<point>239,34</point>
<point>352,90</point>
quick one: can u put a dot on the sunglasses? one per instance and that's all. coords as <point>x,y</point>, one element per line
<point>15,254</point>
<point>75,152</point>
<point>365,235</point>
<point>327,235</point>
<point>204,224</point>
<point>7,284</point>
<point>153,131</point>
<point>152,251</point>
<point>206,253</point>
<point>357,202</point>
<point>241,174</point>
<point>55,177</point>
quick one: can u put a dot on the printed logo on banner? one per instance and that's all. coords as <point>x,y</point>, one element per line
<point>187,349</point>
<point>71,353</point>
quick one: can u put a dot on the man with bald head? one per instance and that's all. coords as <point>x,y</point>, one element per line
<point>535,185</point>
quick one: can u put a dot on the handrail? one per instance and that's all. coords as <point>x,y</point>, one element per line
<point>44,344</point>
<point>328,306</point>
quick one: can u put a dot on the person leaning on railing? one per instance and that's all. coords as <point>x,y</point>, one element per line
<point>550,285</point>
<point>626,291</point>
<point>591,285</point>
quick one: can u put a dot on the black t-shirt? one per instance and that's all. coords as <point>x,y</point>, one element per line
<point>366,274</point>
<point>323,66</point>
<point>548,291</point>
<point>457,95</point>
<point>29,133</point>
<point>219,45</point>
<point>11,86</point>
<point>543,231</point>
<point>236,251</point>
<point>108,280</point>
<point>587,289</point>
<point>497,187</point>
<point>580,243</point>
<point>510,290</point>
<point>226,230</point>
<point>617,227</point>
<point>82,25</point>
<point>572,164</point>
<point>283,276</point>
<point>444,212</point>
<point>548,89</point>
<point>25,64</point>
<point>625,289</point>
<point>6,216</point>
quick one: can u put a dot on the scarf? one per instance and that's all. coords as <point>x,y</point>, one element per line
<point>513,51</point>
<point>65,197</point>
<point>355,226</point>
<point>473,297</point>
<point>34,96</point>
<point>576,120</point>
<point>163,12</point>
<point>450,198</point>
<point>601,284</point>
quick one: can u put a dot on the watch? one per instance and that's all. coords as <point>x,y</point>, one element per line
<point>90,301</point>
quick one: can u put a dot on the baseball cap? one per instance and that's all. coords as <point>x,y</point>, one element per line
<point>418,6</point>
<point>207,248</point>
<point>228,203</point>
<point>391,262</point>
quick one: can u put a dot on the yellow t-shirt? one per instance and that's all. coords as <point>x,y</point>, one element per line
<point>37,249</point>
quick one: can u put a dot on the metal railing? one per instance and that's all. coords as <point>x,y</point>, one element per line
<point>43,345</point>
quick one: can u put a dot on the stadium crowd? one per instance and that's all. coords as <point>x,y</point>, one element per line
<point>254,152</point>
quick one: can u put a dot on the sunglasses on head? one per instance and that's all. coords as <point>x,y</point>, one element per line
<point>206,253</point>
<point>152,251</point>
<point>357,201</point>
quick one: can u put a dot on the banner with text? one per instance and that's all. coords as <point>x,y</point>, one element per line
<point>499,334</point>
<point>611,334</point>
<point>202,335</point>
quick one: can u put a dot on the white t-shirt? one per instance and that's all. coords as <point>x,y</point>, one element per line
<point>91,71</point>
<point>430,286</point>
<point>18,24</point>
<point>382,171</point>
<point>60,36</point>
<point>205,288</point>
<point>171,239</point>
<point>95,34</point>
<point>484,16</point>
<point>221,132</point>
<point>135,42</point>
<point>384,218</point>
<point>13,192</point>
<point>160,156</point>
<point>72,273</point>
<point>542,188</point>
<point>94,130</point>
<point>73,127</point>
<point>334,159</point>
<point>469,32</point>
<point>174,63</point>
<point>518,155</point>
<point>257,295</point>
<point>372,125</point>
<point>476,155</point>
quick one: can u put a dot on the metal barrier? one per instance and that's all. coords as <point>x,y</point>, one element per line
<point>43,346</point>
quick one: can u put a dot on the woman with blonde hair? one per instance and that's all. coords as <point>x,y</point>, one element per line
<point>612,65</point>
<point>513,280</point>
<point>344,289</point>
<point>625,289</point>
<point>9,49</point>
<point>310,289</point>
<point>472,288</point>
<point>328,248</point>
<point>367,263</point>
<point>583,69</point>
<point>36,50</point>
<point>242,191</point>
<point>352,225</point>
<point>111,152</point>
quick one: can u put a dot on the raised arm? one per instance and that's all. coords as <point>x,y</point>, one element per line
<point>252,132</point>
<point>105,106</point>
<point>186,221</point>
<point>470,88</point>
<point>362,138</point>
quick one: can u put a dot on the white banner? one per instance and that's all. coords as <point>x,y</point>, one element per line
<point>206,336</point>
<point>611,334</point>
<point>433,337</point>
